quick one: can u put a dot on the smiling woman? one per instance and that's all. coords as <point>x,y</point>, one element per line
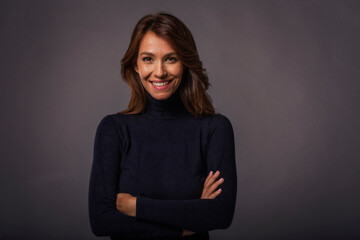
<point>157,165</point>
<point>158,67</point>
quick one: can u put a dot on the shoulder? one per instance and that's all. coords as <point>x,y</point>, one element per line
<point>117,120</point>
<point>216,126</point>
<point>219,132</point>
<point>113,122</point>
<point>217,121</point>
<point>109,121</point>
<point>220,119</point>
<point>114,126</point>
<point>107,126</point>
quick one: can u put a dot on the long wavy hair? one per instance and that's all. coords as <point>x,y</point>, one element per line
<point>194,82</point>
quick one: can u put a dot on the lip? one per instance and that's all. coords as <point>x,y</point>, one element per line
<point>160,81</point>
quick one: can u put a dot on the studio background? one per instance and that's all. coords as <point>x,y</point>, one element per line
<point>286,73</point>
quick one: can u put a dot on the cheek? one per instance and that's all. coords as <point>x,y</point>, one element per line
<point>177,71</point>
<point>144,71</point>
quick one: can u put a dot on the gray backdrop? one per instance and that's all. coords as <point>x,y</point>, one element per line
<point>286,73</point>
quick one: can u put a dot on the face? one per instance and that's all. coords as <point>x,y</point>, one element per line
<point>158,66</point>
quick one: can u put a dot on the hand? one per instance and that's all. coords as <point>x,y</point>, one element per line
<point>126,204</point>
<point>210,186</point>
<point>209,192</point>
<point>187,233</point>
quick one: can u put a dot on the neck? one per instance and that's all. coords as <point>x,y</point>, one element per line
<point>168,108</point>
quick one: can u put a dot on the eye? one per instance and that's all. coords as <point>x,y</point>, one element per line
<point>171,59</point>
<point>146,59</point>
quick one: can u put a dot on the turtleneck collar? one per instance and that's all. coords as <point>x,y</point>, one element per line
<point>168,108</point>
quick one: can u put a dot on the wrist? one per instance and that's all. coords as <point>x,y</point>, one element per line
<point>133,206</point>
<point>126,204</point>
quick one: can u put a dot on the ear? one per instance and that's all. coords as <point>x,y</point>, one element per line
<point>136,68</point>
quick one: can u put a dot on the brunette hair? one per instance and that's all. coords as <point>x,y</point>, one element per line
<point>194,82</point>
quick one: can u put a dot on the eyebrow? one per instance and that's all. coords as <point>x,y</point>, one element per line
<point>151,54</point>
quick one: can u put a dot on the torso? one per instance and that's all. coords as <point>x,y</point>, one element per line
<point>163,157</point>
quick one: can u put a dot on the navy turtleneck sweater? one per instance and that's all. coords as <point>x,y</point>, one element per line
<point>162,157</point>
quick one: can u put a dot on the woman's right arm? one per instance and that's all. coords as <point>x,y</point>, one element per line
<point>105,219</point>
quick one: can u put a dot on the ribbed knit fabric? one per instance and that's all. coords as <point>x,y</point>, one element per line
<point>162,157</point>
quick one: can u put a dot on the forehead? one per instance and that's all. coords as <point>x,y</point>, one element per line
<point>155,44</point>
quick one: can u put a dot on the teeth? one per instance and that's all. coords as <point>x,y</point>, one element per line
<point>160,83</point>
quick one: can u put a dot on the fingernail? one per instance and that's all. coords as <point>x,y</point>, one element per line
<point>219,190</point>
<point>211,172</point>
<point>217,171</point>
<point>221,179</point>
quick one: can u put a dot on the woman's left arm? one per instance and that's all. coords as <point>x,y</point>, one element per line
<point>200,215</point>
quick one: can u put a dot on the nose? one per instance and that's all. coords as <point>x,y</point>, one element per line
<point>159,70</point>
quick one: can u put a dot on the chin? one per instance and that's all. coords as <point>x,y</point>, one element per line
<point>161,96</point>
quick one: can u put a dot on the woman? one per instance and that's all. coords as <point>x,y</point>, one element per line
<point>157,165</point>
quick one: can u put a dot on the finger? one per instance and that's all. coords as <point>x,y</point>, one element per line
<point>208,188</point>
<point>215,185</point>
<point>215,194</point>
<point>207,191</point>
<point>206,195</point>
<point>212,179</point>
<point>209,182</point>
<point>215,176</point>
<point>208,177</point>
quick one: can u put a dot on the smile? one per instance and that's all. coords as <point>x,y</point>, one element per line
<point>160,84</point>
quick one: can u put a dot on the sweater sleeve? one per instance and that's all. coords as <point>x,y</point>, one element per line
<point>105,220</point>
<point>200,215</point>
